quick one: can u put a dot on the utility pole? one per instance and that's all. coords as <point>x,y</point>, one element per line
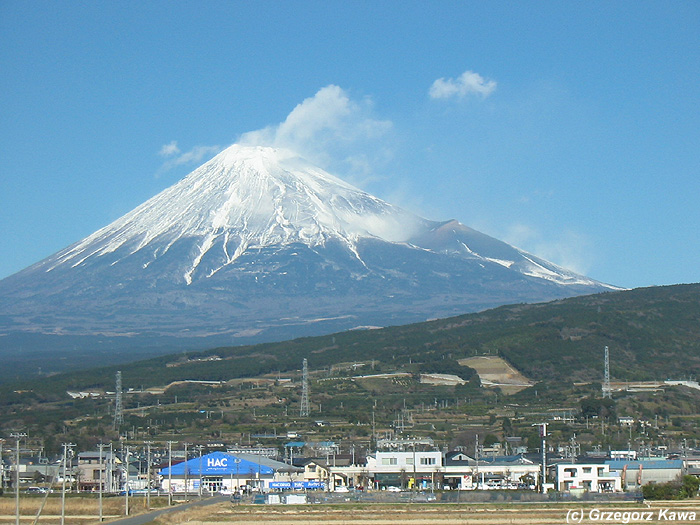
<point>102,470</point>
<point>126,484</point>
<point>200,447</point>
<point>237,461</point>
<point>185,465</point>
<point>2,467</point>
<point>109,462</point>
<point>170,472</point>
<point>18,436</point>
<point>476,457</point>
<point>304,410</point>
<point>607,390</point>
<point>118,412</point>
<point>66,448</point>
<point>543,435</point>
<point>148,474</point>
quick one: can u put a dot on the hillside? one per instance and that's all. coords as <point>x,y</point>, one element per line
<point>375,375</point>
<point>652,333</point>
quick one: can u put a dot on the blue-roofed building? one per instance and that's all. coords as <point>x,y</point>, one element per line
<point>224,472</point>
<point>636,473</point>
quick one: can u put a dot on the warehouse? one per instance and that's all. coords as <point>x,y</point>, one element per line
<point>634,474</point>
<point>224,472</point>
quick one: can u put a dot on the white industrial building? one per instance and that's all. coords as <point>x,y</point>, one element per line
<point>588,477</point>
<point>405,468</point>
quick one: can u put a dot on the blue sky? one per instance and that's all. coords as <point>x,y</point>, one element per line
<point>569,129</point>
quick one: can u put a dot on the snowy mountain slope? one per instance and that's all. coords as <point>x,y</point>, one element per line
<point>246,197</point>
<point>258,244</point>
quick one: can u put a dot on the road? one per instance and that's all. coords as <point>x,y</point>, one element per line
<point>148,517</point>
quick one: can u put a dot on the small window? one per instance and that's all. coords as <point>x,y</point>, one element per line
<point>427,461</point>
<point>587,470</point>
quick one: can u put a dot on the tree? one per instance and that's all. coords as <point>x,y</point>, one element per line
<point>687,487</point>
<point>596,406</point>
<point>490,439</point>
<point>507,427</point>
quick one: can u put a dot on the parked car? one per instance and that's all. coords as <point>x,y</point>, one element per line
<point>36,490</point>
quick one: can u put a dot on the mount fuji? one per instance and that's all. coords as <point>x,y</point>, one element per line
<point>257,245</point>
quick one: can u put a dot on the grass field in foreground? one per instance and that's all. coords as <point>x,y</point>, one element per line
<point>435,514</point>
<point>79,509</point>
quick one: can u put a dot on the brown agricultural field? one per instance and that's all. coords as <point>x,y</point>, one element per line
<point>433,514</point>
<point>79,509</point>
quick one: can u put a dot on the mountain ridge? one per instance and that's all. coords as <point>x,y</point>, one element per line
<point>258,244</point>
<point>653,334</point>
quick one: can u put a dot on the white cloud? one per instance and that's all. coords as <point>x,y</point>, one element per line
<point>468,82</point>
<point>568,249</point>
<point>196,154</point>
<point>329,128</point>
<point>169,150</point>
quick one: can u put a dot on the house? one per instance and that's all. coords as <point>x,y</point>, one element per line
<point>458,470</point>
<point>97,467</point>
<point>318,472</point>
<point>462,472</point>
<point>35,470</point>
<point>516,445</point>
<point>588,477</point>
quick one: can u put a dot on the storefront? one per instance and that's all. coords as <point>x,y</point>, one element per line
<point>223,472</point>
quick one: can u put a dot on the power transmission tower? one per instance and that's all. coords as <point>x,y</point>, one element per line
<point>607,391</point>
<point>304,410</point>
<point>118,413</point>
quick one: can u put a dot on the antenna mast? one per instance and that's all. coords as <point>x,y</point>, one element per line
<point>304,410</point>
<point>607,391</point>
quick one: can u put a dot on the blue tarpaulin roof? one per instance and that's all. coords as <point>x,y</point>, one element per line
<point>619,464</point>
<point>218,464</point>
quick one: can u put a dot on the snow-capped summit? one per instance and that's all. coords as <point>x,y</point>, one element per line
<point>247,197</point>
<point>259,244</point>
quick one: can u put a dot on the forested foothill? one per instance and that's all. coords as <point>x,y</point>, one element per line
<point>365,384</point>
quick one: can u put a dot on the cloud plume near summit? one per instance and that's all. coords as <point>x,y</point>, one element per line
<point>327,128</point>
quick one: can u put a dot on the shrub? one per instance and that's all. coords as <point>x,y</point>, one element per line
<point>686,488</point>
